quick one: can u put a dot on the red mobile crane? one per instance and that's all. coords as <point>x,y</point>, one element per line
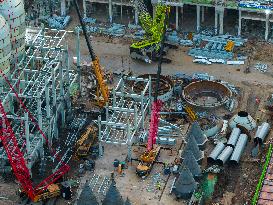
<point>148,158</point>
<point>16,157</point>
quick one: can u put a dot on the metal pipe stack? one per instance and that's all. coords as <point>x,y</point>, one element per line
<point>239,149</point>
<point>234,136</point>
<point>216,152</point>
<point>224,156</point>
<point>261,133</point>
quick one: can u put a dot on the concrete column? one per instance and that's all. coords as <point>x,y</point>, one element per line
<point>107,118</point>
<point>154,11</point>
<point>63,7</point>
<point>267,27</point>
<point>142,110</point>
<point>129,153</point>
<point>121,13</point>
<point>67,64</point>
<point>27,142</point>
<point>221,22</point>
<point>136,16</point>
<point>110,11</point>
<point>198,18</point>
<point>181,11</point>
<point>114,98</point>
<point>203,14</point>
<point>100,145</point>
<point>150,94</point>
<point>78,59</point>
<point>240,23</point>
<point>129,144</point>
<point>84,8</point>
<point>135,116</point>
<point>216,23</point>
<point>40,120</point>
<point>176,18</point>
<point>27,134</point>
<point>62,102</point>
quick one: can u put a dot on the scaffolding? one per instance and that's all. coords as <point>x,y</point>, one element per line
<point>42,80</point>
<point>128,112</point>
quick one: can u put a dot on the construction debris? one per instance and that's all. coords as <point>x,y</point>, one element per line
<point>261,67</point>
<point>58,22</point>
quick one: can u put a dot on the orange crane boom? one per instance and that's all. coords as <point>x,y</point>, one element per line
<point>102,90</point>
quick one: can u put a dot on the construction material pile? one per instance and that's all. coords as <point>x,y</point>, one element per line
<point>175,38</point>
<point>115,30</point>
<point>58,22</point>
<point>215,49</point>
<point>261,67</point>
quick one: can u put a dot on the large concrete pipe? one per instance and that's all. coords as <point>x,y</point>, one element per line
<point>224,156</point>
<point>262,132</point>
<point>239,149</point>
<point>216,152</point>
<point>234,137</point>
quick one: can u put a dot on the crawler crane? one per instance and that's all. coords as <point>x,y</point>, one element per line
<point>149,157</point>
<point>102,89</point>
<point>148,50</point>
<point>16,156</point>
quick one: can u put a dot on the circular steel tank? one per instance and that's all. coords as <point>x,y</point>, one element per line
<point>5,46</point>
<point>206,94</point>
<point>14,13</point>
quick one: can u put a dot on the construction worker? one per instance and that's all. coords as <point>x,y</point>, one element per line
<point>257,119</point>
<point>158,186</point>
<point>120,169</point>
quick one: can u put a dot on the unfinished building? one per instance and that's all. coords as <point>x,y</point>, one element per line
<point>243,11</point>
<point>38,78</point>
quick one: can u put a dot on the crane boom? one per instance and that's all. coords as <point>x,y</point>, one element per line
<point>102,90</point>
<point>148,158</point>
<point>16,157</point>
<point>148,49</point>
<point>153,27</point>
<point>157,104</point>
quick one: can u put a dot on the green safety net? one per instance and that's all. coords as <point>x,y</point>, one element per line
<point>208,185</point>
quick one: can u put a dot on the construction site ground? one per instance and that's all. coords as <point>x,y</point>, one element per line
<point>236,182</point>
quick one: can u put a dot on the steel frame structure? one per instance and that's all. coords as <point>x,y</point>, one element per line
<point>129,111</point>
<point>42,80</point>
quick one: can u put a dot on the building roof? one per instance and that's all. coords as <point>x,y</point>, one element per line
<point>193,147</point>
<point>87,196</point>
<point>192,164</point>
<point>113,196</point>
<point>185,183</point>
<point>196,131</point>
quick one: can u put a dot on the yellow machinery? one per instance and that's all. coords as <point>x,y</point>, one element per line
<point>102,89</point>
<point>229,46</point>
<point>148,49</point>
<point>52,191</point>
<point>86,141</point>
<point>191,113</point>
<point>147,159</point>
